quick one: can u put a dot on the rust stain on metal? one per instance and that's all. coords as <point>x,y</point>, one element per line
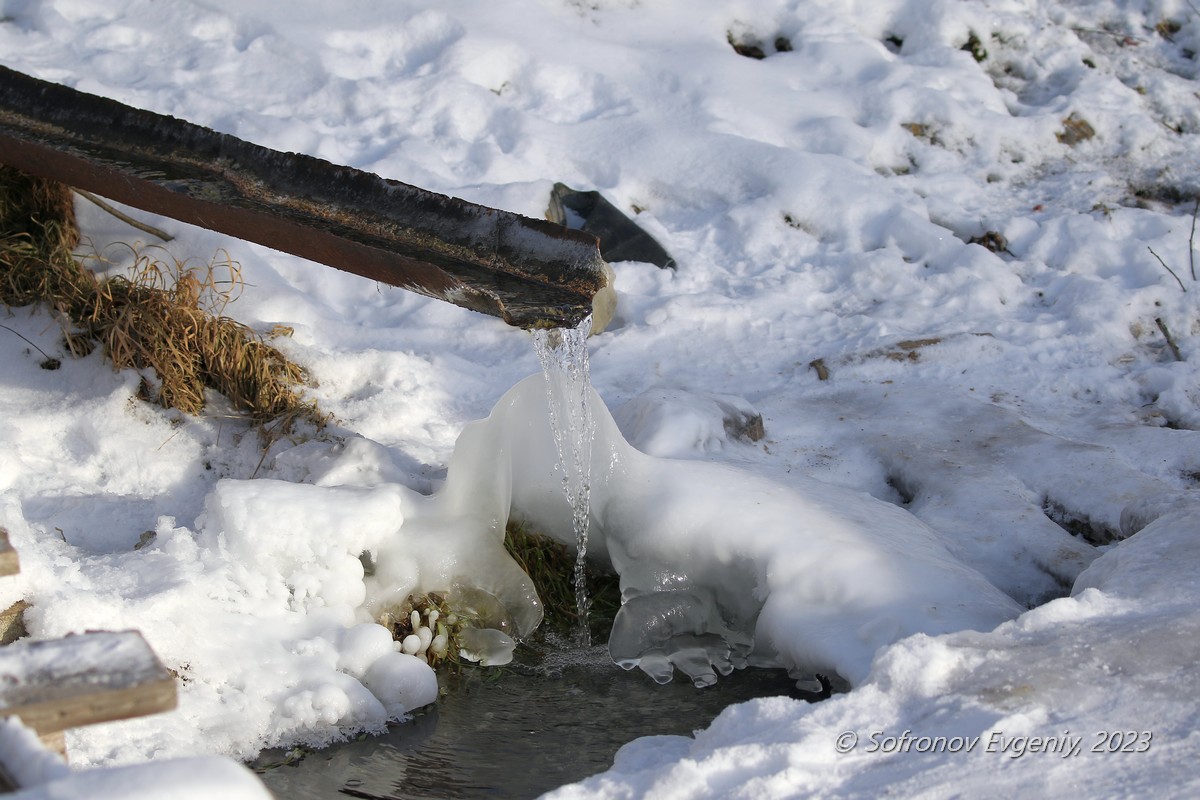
<point>529,272</point>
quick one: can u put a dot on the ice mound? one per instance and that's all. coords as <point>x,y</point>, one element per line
<point>719,568</point>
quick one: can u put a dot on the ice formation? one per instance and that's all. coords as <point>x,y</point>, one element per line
<point>720,568</point>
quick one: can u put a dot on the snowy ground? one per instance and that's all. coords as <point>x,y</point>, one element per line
<point>966,213</point>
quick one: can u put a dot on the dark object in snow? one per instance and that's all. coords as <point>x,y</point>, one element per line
<point>12,619</point>
<point>620,237</point>
<point>991,240</point>
<point>1076,129</point>
<point>529,272</point>
<point>975,48</point>
<point>748,45</point>
<point>749,49</point>
<point>742,423</point>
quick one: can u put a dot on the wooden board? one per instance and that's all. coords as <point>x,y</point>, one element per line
<point>82,680</point>
<point>9,563</point>
<point>12,622</point>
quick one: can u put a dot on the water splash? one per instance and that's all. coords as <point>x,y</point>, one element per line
<point>564,357</point>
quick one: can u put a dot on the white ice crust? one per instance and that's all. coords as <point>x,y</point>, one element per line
<point>720,568</point>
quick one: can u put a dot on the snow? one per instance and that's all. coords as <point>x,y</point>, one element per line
<point>902,522</point>
<point>25,759</point>
<point>42,774</point>
<point>185,778</point>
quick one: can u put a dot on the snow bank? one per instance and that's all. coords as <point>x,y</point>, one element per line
<point>184,778</point>
<point>44,775</point>
<point>1036,701</point>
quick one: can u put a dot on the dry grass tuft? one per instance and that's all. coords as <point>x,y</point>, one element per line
<point>165,315</point>
<point>38,235</point>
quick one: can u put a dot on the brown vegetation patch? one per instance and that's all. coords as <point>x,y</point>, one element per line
<point>1076,129</point>
<point>551,566</point>
<point>165,315</point>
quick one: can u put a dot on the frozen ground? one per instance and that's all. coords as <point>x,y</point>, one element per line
<point>931,242</point>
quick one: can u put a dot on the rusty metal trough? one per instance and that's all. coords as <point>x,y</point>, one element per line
<point>531,273</point>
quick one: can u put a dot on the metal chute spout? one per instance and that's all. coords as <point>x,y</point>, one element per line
<point>529,272</point>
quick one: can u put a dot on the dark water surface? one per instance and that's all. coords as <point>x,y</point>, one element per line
<point>514,732</point>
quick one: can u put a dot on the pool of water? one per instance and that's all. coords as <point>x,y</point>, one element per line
<point>514,732</point>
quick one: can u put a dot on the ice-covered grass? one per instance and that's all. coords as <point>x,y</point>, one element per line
<point>918,243</point>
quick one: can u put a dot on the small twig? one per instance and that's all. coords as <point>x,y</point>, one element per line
<point>1192,240</point>
<point>31,344</point>
<point>128,220</point>
<point>169,438</point>
<point>1162,326</point>
<point>261,459</point>
<point>271,436</point>
<point>1122,38</point>
<point>50,363</point>
<point>1168,269</point>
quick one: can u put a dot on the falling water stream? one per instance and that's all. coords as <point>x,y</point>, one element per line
<point>564,356</point>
